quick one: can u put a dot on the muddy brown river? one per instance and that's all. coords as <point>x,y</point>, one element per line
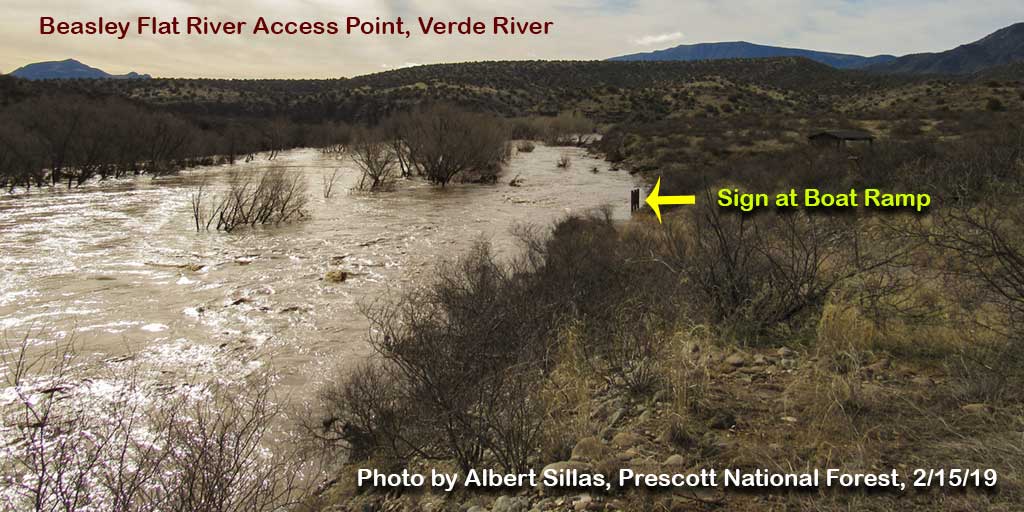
<point>119,267</point>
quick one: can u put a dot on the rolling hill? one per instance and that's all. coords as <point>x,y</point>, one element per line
<point>1003,47</point>
<point>64,69</point>
<point>745,50</point>
<point>603,90</point>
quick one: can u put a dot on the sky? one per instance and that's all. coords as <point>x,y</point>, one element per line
<point>582,29</point>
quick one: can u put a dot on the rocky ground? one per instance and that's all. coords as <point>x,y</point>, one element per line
<point>782,410</point>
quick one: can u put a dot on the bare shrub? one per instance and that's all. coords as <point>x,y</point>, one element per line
<point>219,458</point>
<point>566,129</point>
<point>66,447</point>
<point>458,361</point>
<point>376,160</point>
<point>364,413</point>
<point>327,182</point>
<point>988,271</point>
<point>273,197</point>
<point>573,129</point>
<point>756,274</point>
<point>473,367</point>
<point>443,142</point>
<point>634,352</point>
<point>333,139</point>
<point>526,146</point>
<point>979,239</point>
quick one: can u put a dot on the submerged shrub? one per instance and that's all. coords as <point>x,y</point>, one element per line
<point>271,197</point>
<point>68,446</point>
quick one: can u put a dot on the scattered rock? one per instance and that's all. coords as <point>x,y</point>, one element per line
<point>589,449</point>
<point>338,260</point>
<point>566,465</point>
<point>786,352</point>
<point>510,504</point>
<point>626,440</point>
<point>616,416</point>
<point>644,465</point>
<point>788,364</point>
<point>977,409</point>
<point>583,503</point>
<point>923,380</point>
<point>476,508</point>
<point>736,360</point>
<point>645,416</point>
<point>761,360</point>
<point>336,276</point>
<point>675,461</point>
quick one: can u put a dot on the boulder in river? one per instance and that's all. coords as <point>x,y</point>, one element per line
<point>336,276</point>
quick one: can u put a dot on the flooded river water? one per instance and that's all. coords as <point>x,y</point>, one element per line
<point>120,268</point>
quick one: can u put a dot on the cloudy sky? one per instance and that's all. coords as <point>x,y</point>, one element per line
<point>583,29</point>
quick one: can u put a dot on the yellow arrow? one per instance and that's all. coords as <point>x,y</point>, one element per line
<point>655,201</point>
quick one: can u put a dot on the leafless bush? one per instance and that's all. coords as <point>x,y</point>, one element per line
<point>526,146</point>
<point>365,413</point>
<point>273,197</point>
<point>568,130</point>
<point>634,350</point>
<point>980,232</point>
<point>462,361</point>
<point>753,274</point>
<point>988,271</point>
<point>375,158</point>
<point>128,448</point>
<point>443,142</point>
<point>457,361</point>
<point>220,460</point>
<point>327,182</point>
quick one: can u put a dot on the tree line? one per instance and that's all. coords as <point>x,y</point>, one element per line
<point>62,138</point>
<point>67,138</point>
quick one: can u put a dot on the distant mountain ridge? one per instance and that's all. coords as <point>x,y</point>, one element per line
<point>69,68</point>
<point>1003,47</point>
<point>745,50</point>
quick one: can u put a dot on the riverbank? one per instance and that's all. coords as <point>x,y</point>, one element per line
<point>781,343</point>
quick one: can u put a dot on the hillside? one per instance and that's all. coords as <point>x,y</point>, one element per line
<point>745,50</point>
<point>603,90</point>
<point>67,69</point>
<point>1000,48</point>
